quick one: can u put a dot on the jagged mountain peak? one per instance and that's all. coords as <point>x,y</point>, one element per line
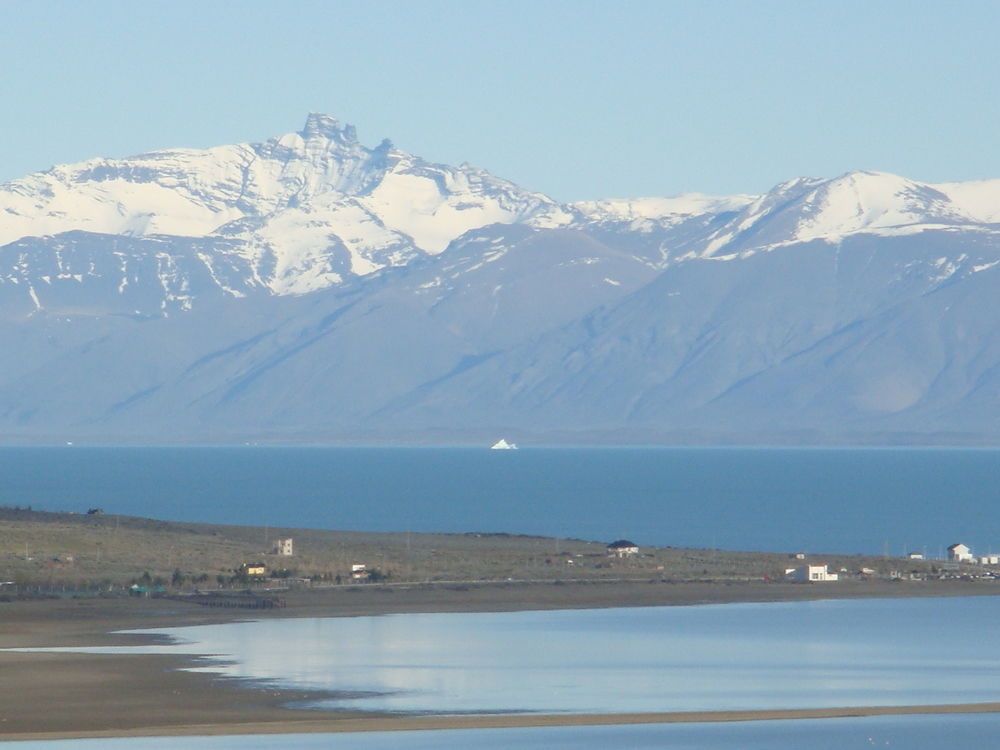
<point>165,294</point>
<point>319,125</point>
<point>302,211</point>
<point>311,208</point>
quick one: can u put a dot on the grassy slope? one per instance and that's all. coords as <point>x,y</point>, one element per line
<point>50,549</point>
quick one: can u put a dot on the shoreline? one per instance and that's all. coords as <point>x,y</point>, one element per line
<point>53,695</point>
<point>378,723</point>
<point>93,621</point>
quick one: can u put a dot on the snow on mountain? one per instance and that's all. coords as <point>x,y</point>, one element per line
<point>644,213</point>
<point>869,201</point>
<point>309,207</point>
<point>807,209</point>
<point>309,210</point>
<point>310,287</point>
<point>978,201</point>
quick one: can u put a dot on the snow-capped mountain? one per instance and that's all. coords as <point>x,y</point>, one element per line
<point>301,212</point>
<point>855,203</point>
<point>313,288</point>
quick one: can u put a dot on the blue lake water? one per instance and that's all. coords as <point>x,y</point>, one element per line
<point>842,500</point>
<point>909,732</point>
<point>711,657</point>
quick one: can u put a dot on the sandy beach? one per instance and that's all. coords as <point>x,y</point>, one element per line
<point>60,695</point>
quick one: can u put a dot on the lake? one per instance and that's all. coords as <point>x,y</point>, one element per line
<point>649,659</point>
<point>909,732</point>
<point>818,499</point>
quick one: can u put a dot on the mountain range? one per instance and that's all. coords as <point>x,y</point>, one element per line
<point>312,289</point>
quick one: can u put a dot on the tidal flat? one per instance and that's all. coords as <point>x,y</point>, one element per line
<point>61,695</point>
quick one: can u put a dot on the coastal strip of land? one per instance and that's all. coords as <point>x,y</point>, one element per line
<point>58,695</point>
<point>78,579</point>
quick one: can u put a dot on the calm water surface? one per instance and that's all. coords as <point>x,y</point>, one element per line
<point>714,657</point>
<point>843,500</point>
<point>908,732</point>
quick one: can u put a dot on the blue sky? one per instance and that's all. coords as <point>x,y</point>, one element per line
<point>575,99</point>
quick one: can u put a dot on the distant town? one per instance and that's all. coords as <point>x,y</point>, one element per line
<point>959,554</point>
<point>97,553</point>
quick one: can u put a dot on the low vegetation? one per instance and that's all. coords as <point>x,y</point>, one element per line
<point>42,553</point>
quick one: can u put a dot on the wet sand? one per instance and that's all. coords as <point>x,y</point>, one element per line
<point>58,695</point>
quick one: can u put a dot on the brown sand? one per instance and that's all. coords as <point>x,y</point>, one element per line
<point>58,695</point>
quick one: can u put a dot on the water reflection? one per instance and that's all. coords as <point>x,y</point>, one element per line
<point>740,656</point>
<point>910,732</point>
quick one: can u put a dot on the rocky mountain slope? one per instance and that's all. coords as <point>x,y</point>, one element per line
<point>310,288</point>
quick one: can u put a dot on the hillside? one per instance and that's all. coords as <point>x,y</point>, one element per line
<point>52,552</point>
<point>313,289</point>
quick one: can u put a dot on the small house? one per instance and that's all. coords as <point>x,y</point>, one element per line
<point>253,570</point>
<point>622,548</point>
<point>916,556</point>
<point>960,553</point>
<point>359,572</point>
<point>989,560</point>
<point>283,547</point>
<point>812,574</point>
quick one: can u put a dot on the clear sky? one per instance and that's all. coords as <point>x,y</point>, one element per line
<point>577,99</point>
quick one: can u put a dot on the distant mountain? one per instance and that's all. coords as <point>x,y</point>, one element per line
<point>313,289</point>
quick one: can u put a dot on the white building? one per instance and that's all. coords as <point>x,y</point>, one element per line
<point>283,547</point>
<point>811,574</point>
<point>960,553</point>
<point>623,548</point>
<point>989,560</point>
<point>916,555</point>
